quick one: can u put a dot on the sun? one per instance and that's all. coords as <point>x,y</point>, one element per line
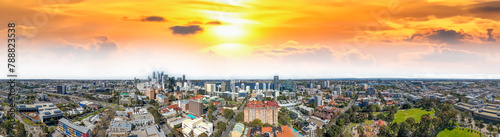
<point>229,31</point>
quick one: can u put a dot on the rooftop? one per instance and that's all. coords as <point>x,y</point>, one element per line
<point>76,127</point>
<point>259,104</point>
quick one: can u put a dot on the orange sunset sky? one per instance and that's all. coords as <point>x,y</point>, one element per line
<point>109,39</point>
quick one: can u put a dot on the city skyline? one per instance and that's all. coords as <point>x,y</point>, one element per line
<point>254,39</point>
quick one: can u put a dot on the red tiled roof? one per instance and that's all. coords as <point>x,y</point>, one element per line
<point>272,104</point>
<point>287,132</point>
<point>267,129</point>
<point>254,104</point>
<point>259,104</point>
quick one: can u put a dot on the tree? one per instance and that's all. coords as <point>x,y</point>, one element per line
<point>256,123</point>
<point>313,105</point>
<point>52,120</point>
<point>283,117</point>
<point>370,116</point>
<point>360,130</point>
<point>319,133</point>
<point>390,118</point>
<point>45,129</point>
<point>384,131</point>
<point>203,135</point>
<point>404,130</point>
<point>490,127</point>
<point>221,125</point>
<point>410,121</point>
<point>240,117</point>
<point>228,113</point>
<point>498,126</point>
<point>406,106</point>
<point>381,116</point>
<point>212,107</point>
<point>210,115</point>
<point>21,131</point>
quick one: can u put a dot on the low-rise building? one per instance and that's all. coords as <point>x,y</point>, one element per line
<point>72,130</point>
<point>196,127</point>
<point>142,119</point>
<point>237,130</point>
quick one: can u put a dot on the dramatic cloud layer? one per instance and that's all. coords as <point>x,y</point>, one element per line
<point>256,39</point>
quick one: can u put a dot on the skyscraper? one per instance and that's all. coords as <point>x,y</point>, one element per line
<point>264,86</point>
<point>183,78</point>
<point>276,83</point>
<point>233,90</point>
<point>257,86</point>
<point>228,86</point>
<point>61,89</point>
<point>311,85</point>
<point>289,85</point>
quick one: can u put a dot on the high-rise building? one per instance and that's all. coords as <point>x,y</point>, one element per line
<point>222,87</point>
<point>266,112</point>
<point>61,89</point>
<point>209,87</point>
<point>233,89</point>
<point>183,78</point>
<point>242,85</point>
<point>257,86</point>
<point>264,86</point>
<point>196,106</point>
<point>338,89</point>
<point>154,75</point>
<point>276,83</point>
<point>311,84</point>
<point>326,84</point>
<point>289,85</point>
<point>371,91</point>
<point>318,100</point>
<point>228,86</point>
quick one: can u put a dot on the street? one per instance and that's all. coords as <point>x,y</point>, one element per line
<point>232,122</point>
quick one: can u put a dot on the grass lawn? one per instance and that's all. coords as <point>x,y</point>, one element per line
<point>27,121</point>
<point>459,132</point>
<point>416,113</point>
<point>233,102</point>
<point>94,113</point>
<point>368,122</point>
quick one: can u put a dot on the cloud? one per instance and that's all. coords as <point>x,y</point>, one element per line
<point>486,7</point>
<point>447,55</point>
<point>490,35</point>
<point>62,2</point>
<point>214,23</point>
<point>154,19</point>
<point>195,23</point>
<point>186,30</point>
<point>293,51</point>
<point>98,48</point>
<point>147,19</point>
<point>440,36</point>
